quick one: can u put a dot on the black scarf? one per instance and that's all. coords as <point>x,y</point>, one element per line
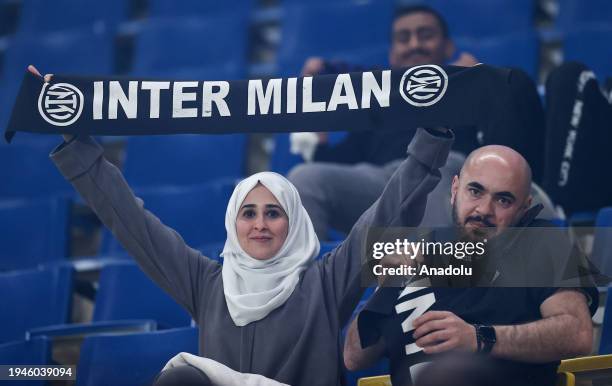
<point>422,96</point>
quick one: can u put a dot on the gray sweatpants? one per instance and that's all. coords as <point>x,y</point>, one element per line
<point>335,195</point>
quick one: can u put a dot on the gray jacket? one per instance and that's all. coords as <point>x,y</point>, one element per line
<point>298,343</point>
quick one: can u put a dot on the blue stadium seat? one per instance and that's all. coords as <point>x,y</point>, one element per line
<point>483,18</point>
<point>126,301</point>
<point>583,218</point>
<point>200,72</point>
<point>517,50</point>
<point>604,217</point>
<point>9,10</point>
<point>282,160</point>
<point>29,172</point>
<point>33,352</point>
<point>26,352</point>
<point>216,47</point>
<point>591,46</point>
<point>213,250</point>
<point>605,343</point>
<point>45,142</point>
<point>204,8</point>
<point>33,232</point>
<point>34,298</point>
<point>601,255</point>
<point>8,93</point>
<point>41,16</point>
<point>353,31</point>
<point>133,359</point>
<point>328,246</point>
<point>573,13</point>
<point>69,334</point>
<point>125,292</point>
<point>197,213</point>
<point>74,52</point>
<point>559,222</point>
<point>349,2</point>
<point>183,159</point>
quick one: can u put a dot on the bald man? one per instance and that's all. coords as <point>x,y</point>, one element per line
<point>526,331</point>
<point>492,191</point>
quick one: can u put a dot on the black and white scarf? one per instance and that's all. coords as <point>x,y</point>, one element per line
<point>421,96</point>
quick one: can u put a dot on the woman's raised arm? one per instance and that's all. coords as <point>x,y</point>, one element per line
<point>159,250</point>
<point>401,204</point>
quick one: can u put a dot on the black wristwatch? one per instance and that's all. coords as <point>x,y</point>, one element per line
<point>485,338</point>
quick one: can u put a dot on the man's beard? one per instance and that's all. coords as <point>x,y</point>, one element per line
<point>476,234</point>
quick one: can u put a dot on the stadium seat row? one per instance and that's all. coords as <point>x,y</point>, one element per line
<point>206,40</point>
<point>37,16</point>
<point>109,359</point>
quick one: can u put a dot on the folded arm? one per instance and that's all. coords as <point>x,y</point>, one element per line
<point>564,331</point>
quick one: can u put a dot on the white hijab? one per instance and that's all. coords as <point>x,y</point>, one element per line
<point>254,288</point>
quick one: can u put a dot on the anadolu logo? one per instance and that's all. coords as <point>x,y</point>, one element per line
<point>423,85</point>
<point>60,104</point>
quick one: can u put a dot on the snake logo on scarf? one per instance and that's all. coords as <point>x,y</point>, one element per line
<point>60,104</point>
<point>423,85</point>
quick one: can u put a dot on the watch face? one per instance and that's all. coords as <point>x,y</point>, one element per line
<point>487,333</point>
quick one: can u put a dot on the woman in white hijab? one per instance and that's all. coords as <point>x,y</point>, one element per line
<point>272,308</point>
<point>270,242</point>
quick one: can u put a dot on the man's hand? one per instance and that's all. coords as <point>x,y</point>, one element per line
<point>564,331</point>
<point>440,331</point>
<point>47,79</point>
<point>304,144</point>
<point>355,356</point>
<point>33,70</point>
<point>313,66</point>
